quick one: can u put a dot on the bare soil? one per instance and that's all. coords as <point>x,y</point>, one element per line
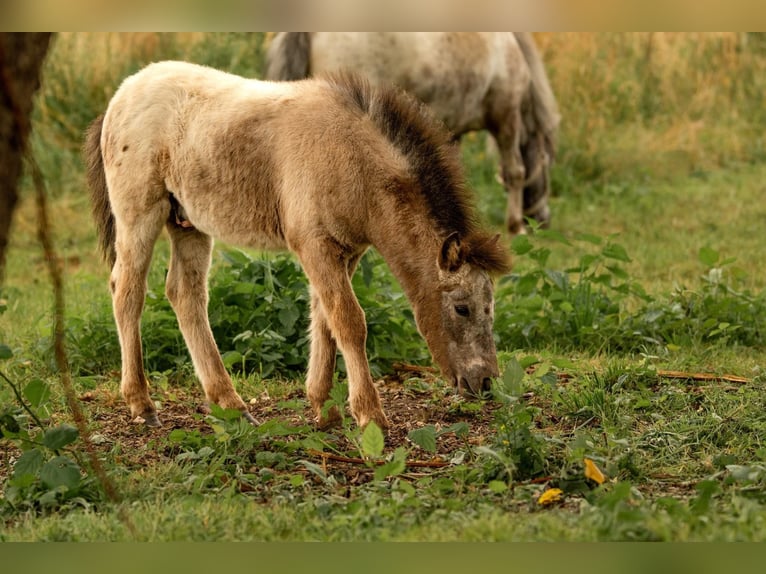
<point>408,406</point>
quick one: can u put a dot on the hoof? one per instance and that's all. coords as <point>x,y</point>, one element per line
<point>379,419</point>
<point>332,420</point>
<point>249,418</point>
<point>149,419</point>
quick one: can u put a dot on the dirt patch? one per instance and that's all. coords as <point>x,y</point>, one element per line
<point>411,400</point>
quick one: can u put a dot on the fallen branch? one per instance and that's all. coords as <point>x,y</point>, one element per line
<point>413,368</point>
<point>354,460</point>
<point>702,376</point>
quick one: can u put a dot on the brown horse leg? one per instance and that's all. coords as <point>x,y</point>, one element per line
<point>133,246</point>
<point>186,289</point>
<point>328,274</point>
<point>321,364</point>
<point>322,358</point>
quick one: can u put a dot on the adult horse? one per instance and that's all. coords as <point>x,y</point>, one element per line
<point>473,81</point>
<point>323,167</point>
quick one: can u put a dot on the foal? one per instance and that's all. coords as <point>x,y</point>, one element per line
<point>323,167</point>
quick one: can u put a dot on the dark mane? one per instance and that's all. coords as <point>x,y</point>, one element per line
<point>425,142</point>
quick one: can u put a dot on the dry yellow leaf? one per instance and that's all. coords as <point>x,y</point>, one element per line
<point>550,496</point>
<point>593,472</point>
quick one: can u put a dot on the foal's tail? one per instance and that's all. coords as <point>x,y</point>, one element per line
<point>289,56</point>
<point>543,107</point>
<point>102,210</point>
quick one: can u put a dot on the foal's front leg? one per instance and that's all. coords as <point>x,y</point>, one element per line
<point>343,320</point>
<point>322,357</point>
<point>321,364</point>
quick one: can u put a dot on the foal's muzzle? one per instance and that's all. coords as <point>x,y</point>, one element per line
<point>476,382</point>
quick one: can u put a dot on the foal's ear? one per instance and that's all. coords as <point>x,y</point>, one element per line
<point>452,254</point>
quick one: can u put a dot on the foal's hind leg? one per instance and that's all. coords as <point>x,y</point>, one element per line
<point>338,317</point>
<point>135,237</point>
<point>186,288</point>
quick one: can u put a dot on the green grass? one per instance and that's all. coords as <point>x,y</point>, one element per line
<point>651,265</point>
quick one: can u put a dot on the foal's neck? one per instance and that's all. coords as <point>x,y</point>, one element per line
<point>412,256</point>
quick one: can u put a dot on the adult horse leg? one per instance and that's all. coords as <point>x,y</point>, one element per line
<point>186,289</point>
<point>322,357</point>
<point>507,133</point>
<point>341,317</point>
<point>134,242</point>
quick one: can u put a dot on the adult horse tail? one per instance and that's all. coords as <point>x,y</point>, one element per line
<point>99,195</point>
<point>542,103</point>
<point>289,56</point>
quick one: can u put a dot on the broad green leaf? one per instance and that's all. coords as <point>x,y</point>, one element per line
<point>393,467</point>
<point>540,255</point>
<point>554,235</point>
<point>461,429</point>
<point>593,239</point>
<point>521,245</point>
<point>497,486</point>
<point>60,471</point>
<point>706,489</point>
<point>231,358</point>
<point>512,378</point>
<point>8,424</point>
<point>372,441</point>
<point>616,251</point>
<point>5,352</point>
<point>288,316</point>
<point>561,363</point>
<point>27,467</point>
<point>224,414</point>
<point>708,256</point>
<point>37,393</point>
<point>60,436</point>
<point>424,437</point>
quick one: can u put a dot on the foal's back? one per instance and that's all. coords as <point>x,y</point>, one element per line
<point>268,156</point>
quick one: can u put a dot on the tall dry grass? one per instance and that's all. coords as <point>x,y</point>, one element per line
<point>656,105</point>
<point>642,105</point>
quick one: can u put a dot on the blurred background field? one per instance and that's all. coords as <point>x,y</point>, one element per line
<point>661,147</point>
<point>655,260</point>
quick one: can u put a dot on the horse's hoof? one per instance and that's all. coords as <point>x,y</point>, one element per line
<point>249,418</point>
<point>331,420</point>
<point>379,419</point>
<point>149,419</point>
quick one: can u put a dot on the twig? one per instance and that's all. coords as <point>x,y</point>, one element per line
<point>21,399</point>
<point>59,346</point>
<point>413,368</point>
<point>702,376</point>
<point>354,460</point>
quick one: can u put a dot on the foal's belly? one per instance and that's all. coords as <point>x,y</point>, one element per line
<point>236,221</point>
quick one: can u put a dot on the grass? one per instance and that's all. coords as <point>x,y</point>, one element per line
<point>658,188</point>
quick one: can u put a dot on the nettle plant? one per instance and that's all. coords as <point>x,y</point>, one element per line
<point>578,307</point>
<point>259,313</point>
<point>595,305</point>
<point>47,473</point>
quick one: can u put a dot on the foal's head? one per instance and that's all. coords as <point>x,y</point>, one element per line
<point>464,346</point>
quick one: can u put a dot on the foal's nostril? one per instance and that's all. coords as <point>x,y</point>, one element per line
<point>486,385</point>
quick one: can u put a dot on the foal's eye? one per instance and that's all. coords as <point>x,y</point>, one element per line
<point>462,310</point>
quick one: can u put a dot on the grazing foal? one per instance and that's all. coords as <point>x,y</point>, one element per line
<point>323,167</point>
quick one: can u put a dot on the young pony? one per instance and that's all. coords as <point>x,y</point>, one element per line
<point>472,81</point>
<point>323,167</point>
